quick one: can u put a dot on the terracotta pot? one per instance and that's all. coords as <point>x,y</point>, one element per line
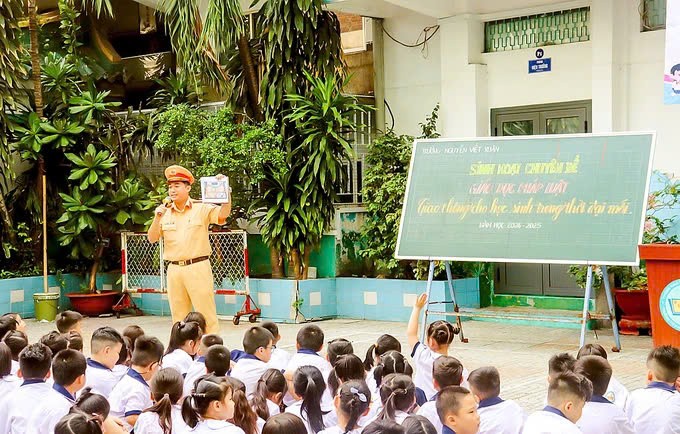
<point>633,304</point>
<point>93,304</point>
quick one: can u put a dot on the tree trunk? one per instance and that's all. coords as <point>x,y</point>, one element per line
<point>250,76</point>
<point>7,221</point>
<point>277,263</point>
<point>297,263</point>
<point>92,286</point>
<point>305,262</point>
<point>35,56</point>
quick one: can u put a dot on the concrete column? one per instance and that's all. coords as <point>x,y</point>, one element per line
<point>379,73</point>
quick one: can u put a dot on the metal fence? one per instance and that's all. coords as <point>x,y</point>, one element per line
<point>143,269</point>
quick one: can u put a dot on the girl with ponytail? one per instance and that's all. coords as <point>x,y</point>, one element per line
<point>96,406</point>
<point>398,396</point>
<point>269,393</point>
<point>351,403</point>
<point>244,415</point>
<point>185,338</point>
<point>308,389</point>
<point>346,367</point>
<point>77,422</point>
<point>209,406</point>
<point>374,354</point>
<point>165,416</point>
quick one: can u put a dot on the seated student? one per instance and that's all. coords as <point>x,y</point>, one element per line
<point>16,341</point>
<point>69,320</point>
<point>382,345</point>
<point>8,382</point>
<point>210,406</point>
<point>649,409</point>
<point>78,422</point>
<point>258,343</point>
<point>132,332</point>
<point>165,416</point>
<point>105,347</point>
<point>268,395</point>
<point>132,394</point>
<point>567,394</point>
<point>244,415</point>
<point>280,357</point>
<point>398,396</point>
<point>616,392</point>
<point>416,424</point>
<point>34,368</point>
<point>55,341</point>
<point>184,340</point>
<point>351,403</point>
<point>457,410</point>
<point>123,362</point>
<point>384,426</point>
<point>197,367</point>
<point>446,371</point>
<point>9,322</point>
<point>97,406</point>
<point>309,341</point>
<point>75,340</point>
<point>68,372</point>
<point>197,317</point>
<point>391,362</point>
<point>440,334</point>
<point>495,414</point>
<point>599,415</point>
<point>284,423</point>
<point>345,368</point>
<point>308,387</point>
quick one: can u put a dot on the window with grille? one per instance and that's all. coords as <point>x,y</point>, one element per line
<point>652,15</point>
<point>552,28</point>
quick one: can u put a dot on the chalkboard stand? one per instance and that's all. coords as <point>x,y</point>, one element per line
<point>449,278</point>
<point>587,316</point>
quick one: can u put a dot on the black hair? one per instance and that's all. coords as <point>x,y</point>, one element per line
<point>449,401</point>
<point>664,361</point>
<point>310,337</point>
<point>391,362</point>
<point>92,403</point>
<point>486,381</point>
<point>35,361</point>
<point>211,339</point>
<point>7,323</point>
<point>77,422</point>
<point>397,392</point>
<point>346,367</point>
<point>218,360</point>
<point>125,352</point>
<point>597,370</point>
<point>442,332</point>
<point>562,362</point>
<point>256,337</point>
<point>132,332</point>
<point>284,423</point>
<point>67,366</point>
<point>148,350</point>
<point>208,388</point>
<point>271,382</point>
<point>104,337</point>
<point>383,426</point>
<point>384,344</point>
<point>55,340</point>
<point>338,347</point>
<point>199,318</point>
<point>272,327</point>
<point>166,390</point>
<point>75,340</point>
<point>66,320</point>
<point>675,68</point>
<point>244,415</point>
<point>182,332</point>
<point>16,340</point>
<point>355,399</point>
<point>416,424</point>
<point>447,371</point>
<point>309,384</point>
<point>5,360</point>
<point>569,383</point>
<point>592,350</point>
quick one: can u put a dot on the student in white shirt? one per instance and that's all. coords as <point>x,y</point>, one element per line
<point>351,403</point>
<point>567,395</point>
<point>284,423</point>
<point>209,407</point>
<point>416,424</point>
<point>457,410</point>
<point>197,367</point>
<point>165,415</point>
<point>309,342</point>
<point>446,371</point>
<point>496,415</point>
<point>185,338</point>
<point>308,387</point>
<point>382,345</point>
<point>217,361</point>
<point>439,336</point>
<point>280,357</point>
<point>345,368</point>
<point>600,416</point>
<point>16,340</point>
<point>398,397</point>
<point>68,372</point>
<point>616,392</point>
<point>244,415</point>
<point>34,368</point>
<point>105,346</point>
<point>258,344</point>
<point>268,395</point>
<point>8,382</point>
<point>96,406</point>
<point>649,409</point>
<point>132,394</point>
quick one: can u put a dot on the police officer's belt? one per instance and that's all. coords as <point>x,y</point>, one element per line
<point>190,261</point>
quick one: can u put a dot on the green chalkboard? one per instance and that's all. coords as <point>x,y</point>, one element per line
<point>571,199</point>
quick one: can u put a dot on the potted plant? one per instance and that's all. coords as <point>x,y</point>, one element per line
<point>630,292</point>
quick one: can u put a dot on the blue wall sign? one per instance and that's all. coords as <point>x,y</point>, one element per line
<point>669,304</point>
<point>539,65</point>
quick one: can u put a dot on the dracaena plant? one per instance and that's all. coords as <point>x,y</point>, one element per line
<point>92,168</point>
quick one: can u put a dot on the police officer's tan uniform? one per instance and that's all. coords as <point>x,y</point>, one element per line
<point>187,248</point>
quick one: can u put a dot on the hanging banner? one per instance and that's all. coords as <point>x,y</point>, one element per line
<point>671,94</point>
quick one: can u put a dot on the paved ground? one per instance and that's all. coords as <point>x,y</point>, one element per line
<point>520,353</point>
